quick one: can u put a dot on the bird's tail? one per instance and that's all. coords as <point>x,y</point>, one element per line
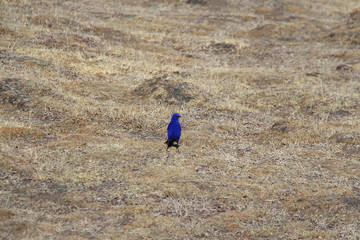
<point>171,143</point>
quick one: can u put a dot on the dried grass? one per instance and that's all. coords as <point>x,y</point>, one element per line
<point>269,95</point>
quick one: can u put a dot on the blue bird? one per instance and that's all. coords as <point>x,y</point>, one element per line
<point>174,132</point>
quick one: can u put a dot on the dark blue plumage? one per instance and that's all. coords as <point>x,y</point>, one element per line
<point>174,131</point>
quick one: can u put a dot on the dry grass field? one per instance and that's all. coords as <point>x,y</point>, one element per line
<point>269,93</point>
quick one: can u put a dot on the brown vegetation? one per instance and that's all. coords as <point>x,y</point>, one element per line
<point>269,94</point>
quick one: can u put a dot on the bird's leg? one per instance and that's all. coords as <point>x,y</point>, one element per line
<point>168,144</point>
<point>177,147</point>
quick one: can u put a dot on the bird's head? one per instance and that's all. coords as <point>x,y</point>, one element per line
<point>176,115</point>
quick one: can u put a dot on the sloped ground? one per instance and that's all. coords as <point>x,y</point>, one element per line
<point>269,97</point>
